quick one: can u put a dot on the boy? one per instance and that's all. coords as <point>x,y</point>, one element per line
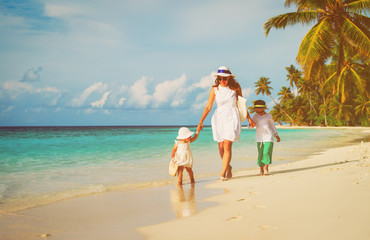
<point>265,133</point>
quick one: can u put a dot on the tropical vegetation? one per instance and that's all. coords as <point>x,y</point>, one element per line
<point>333,86</point>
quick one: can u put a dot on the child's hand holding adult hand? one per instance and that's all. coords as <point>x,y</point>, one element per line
<point>277,138</point>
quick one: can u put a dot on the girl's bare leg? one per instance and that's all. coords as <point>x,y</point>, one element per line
<point>191,174</point>
<point>266,169</point>
<point>179,173</point>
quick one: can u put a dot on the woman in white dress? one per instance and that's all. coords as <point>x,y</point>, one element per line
<point>226,125</point>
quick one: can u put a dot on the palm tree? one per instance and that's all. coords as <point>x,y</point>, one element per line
<point>340,25</point>
<point>293,76</point>
<point>285,94</point>
<point>340,110</point>
<point>277,115</point>
<point>262,86</point>
<point>362,106</point>
<point>306,89</point>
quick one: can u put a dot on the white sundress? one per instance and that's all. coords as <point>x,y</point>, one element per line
<point>183,155</point>
<point>226,121</point>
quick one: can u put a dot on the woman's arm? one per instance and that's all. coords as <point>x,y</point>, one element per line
<point>207,109</point>
<point>195,137</point>
<point>250,121</point>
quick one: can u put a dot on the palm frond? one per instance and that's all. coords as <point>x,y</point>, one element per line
<point>331,77</point>
<point>360,83</point>
<point>341,83</point>
<point>317,44</point>
<point>315,4</point>
<point>358,6</point>
<point>312,69</point>
<point>289,2</point>
<point>356,35</point>
<point>283,20</point>
<point>311,4</point>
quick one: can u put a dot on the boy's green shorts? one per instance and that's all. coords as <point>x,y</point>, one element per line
<point>264,153</point>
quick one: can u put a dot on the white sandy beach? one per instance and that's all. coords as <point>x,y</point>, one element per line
<point>323,197</point>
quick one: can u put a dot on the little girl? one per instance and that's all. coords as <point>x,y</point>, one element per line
<point>182,153</point>
<point>265,133</point>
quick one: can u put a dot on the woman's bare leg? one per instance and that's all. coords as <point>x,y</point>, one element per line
<point>226,159</point>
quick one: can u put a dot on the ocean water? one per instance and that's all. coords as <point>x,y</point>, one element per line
<point>40,165</point>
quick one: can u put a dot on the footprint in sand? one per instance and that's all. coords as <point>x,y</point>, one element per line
<point>239,200</point>
<point>237,218</point>
<point>45,235</point>
<point>258,207</point>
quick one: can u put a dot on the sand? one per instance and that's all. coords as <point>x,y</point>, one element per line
<point>326,196</point>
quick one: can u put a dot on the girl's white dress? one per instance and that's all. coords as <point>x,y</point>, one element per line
<point>183,155</point>
<point>226,121</point>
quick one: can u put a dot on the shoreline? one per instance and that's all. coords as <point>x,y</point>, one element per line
<point>243,158</point>
<point>149,213</point>
<point>322,197</point>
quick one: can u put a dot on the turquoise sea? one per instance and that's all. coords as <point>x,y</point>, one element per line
<point>40,165</point>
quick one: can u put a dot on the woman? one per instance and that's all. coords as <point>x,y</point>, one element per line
<point>226,126</point>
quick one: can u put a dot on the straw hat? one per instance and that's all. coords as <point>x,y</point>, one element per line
<point>224,71</point>
<point>259,104</point>
<point>184,133</point>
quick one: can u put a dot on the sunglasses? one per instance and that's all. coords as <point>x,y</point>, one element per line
<point>259,111</point>
<point>224,78</point>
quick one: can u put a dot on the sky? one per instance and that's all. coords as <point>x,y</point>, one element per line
<point>142,62</point>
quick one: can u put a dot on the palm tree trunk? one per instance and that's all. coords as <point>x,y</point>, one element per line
<point>282,109</point>
<point>326,121</point>
<point>309,100</point>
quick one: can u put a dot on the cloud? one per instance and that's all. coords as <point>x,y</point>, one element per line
<point>101,102</point>
<point>8,109</point>
<point>205,82</point>
<point>167,89</point>
<point>59,11</point>
<point>32,75</point>
<point>18,91</point>
<point>247,92</point>
<point>80,101</point>
<point>139,93</point>
<point>122,101</point>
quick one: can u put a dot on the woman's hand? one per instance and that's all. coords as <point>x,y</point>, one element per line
<point>251,123</point>
<point>200,127</point>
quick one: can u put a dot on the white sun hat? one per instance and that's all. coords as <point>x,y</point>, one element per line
<point>224,71</point>
<point>184,133</point>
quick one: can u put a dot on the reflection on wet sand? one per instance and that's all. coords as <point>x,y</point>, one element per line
<point>183,201</point>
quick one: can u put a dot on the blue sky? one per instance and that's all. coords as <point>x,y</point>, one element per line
<point>144,62</point>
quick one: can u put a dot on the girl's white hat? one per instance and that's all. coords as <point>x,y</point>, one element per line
<point>224,71</point>
<point>184,133</point>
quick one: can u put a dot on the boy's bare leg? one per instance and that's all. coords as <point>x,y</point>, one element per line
<point>261,171</point>
<point>266,169</point>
